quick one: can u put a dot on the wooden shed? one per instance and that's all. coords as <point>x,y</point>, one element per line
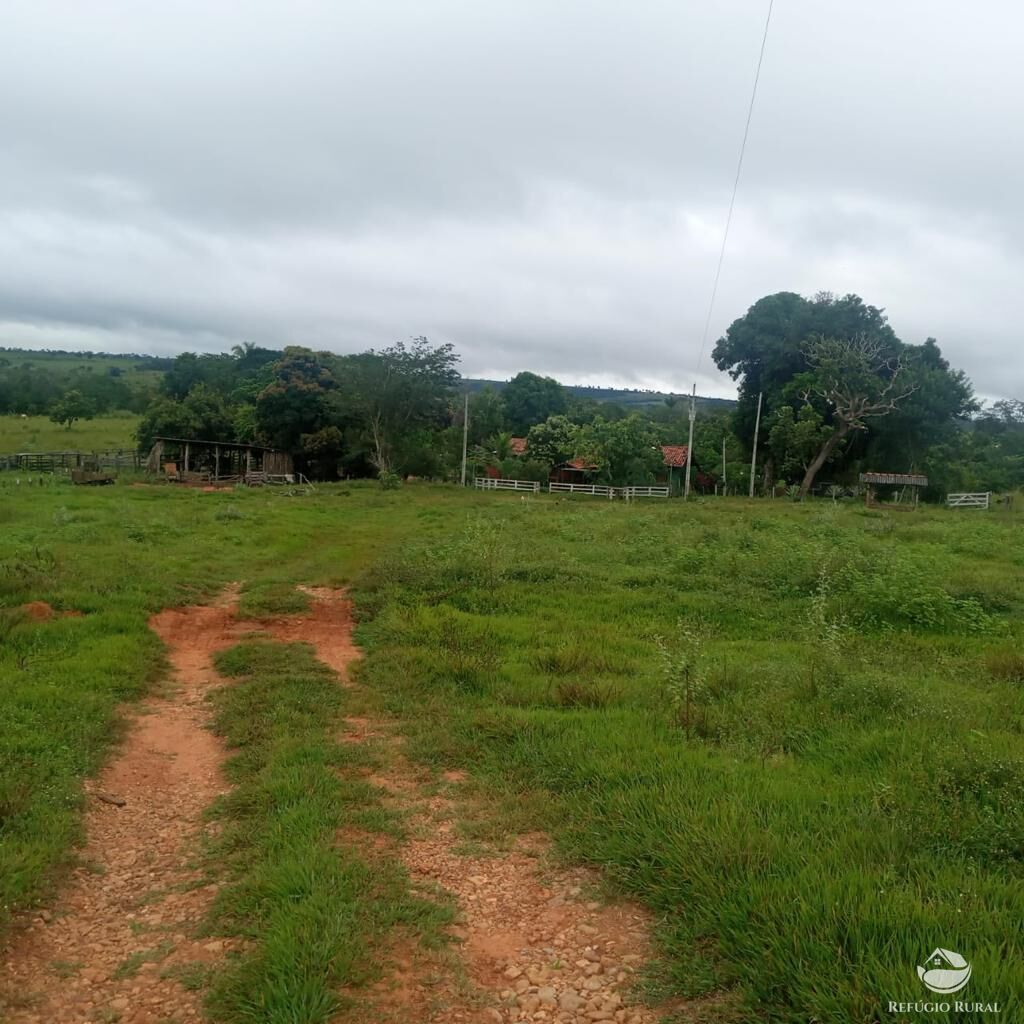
<point>913,482</point>
<point>193,460</point>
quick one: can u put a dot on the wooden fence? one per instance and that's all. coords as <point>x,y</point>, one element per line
<point>487,483</point>
<point>982,500</point>
<point>601,491</point>
<point>53,462</point>
<point>597,490</point>
<point>643,492</point>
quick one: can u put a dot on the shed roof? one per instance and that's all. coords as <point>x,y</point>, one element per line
<point>217,444</point>
<point>897,479</point>
<point>674,454</point>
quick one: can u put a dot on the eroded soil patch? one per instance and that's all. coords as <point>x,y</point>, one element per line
<point>534,942</point>
<point>122,935</point>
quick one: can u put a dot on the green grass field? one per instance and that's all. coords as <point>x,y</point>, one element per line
<point>793,731</point>
<point>40,434</point>
<point>138,373</point>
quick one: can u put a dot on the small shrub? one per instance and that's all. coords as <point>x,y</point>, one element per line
<point>388,480</point>
<point>684,674</point>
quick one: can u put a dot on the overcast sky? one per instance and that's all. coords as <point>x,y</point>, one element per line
<point>544,184</point>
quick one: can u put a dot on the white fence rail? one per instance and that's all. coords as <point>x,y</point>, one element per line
<point>486,483</point>
<point>643,492</point>
<point>983,500</point>
<point>598,490</point>
<point>601,491</point>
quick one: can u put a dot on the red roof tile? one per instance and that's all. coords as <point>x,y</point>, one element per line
<point>674,454</point>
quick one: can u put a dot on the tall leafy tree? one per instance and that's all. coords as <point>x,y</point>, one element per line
<point>71,407</point>
<point>486,415</point>
<point>935,413</point>
<point>529,398</point>
<point>553,441</point>
<point>295,402</point>
<point>626,451</point>
<point>391,395</point>
<point>857,380</point>
<point>764,349</point>
<point>795,438</point>
<point>201,414</point>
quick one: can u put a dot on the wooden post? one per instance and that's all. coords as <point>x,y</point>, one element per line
<point>725,481</point>
<point>689,446</point>
<point>465,438</point>
<point>216,463</point>
<point>186,456</point>
<point>248,461</point>
<point>757,430</point>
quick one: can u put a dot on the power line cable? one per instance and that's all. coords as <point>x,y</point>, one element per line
<point>725,242</point>
<point>735,185</point>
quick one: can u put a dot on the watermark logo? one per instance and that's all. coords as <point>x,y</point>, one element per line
<point>945,972</point>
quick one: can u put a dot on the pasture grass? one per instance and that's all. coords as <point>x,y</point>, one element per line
<point>794,732</point>
<point>821,781</point>
<point>113,557</point>
<point>41,434</point>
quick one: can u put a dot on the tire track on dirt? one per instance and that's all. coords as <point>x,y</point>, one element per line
<point>111,947</point>
<point>532,942</point>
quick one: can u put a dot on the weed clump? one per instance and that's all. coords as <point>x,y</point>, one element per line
<point>1006,664</point>
<point>581,693</point>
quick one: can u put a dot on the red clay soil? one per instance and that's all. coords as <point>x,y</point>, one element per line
<point>137,896</point>
<point>534,942</point>
<point>327,625</point>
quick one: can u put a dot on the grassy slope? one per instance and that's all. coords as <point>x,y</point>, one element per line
<point>853,791</point>
<point>40,434</point>
<point>135,372</point>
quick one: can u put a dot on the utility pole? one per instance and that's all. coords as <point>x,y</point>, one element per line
<point>689,446</point>
<point>757,430</point>
<point>465,437</point>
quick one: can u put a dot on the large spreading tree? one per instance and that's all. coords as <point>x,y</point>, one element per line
<point>856,380</point>
<point>529,398</point>
<point>839,355</point>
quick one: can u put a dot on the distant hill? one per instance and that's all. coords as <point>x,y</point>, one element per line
<point>150,369</point>
<point>635,398</point>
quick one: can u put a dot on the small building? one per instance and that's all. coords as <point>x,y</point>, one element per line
<point>191,460</point>
<point>674,458</point>
<point>902,481</point>
<point>574,471</point>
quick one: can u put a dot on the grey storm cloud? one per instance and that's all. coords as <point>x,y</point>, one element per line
<point>544,185</point>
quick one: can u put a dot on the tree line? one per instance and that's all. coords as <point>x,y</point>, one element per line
<point>839,393</point>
